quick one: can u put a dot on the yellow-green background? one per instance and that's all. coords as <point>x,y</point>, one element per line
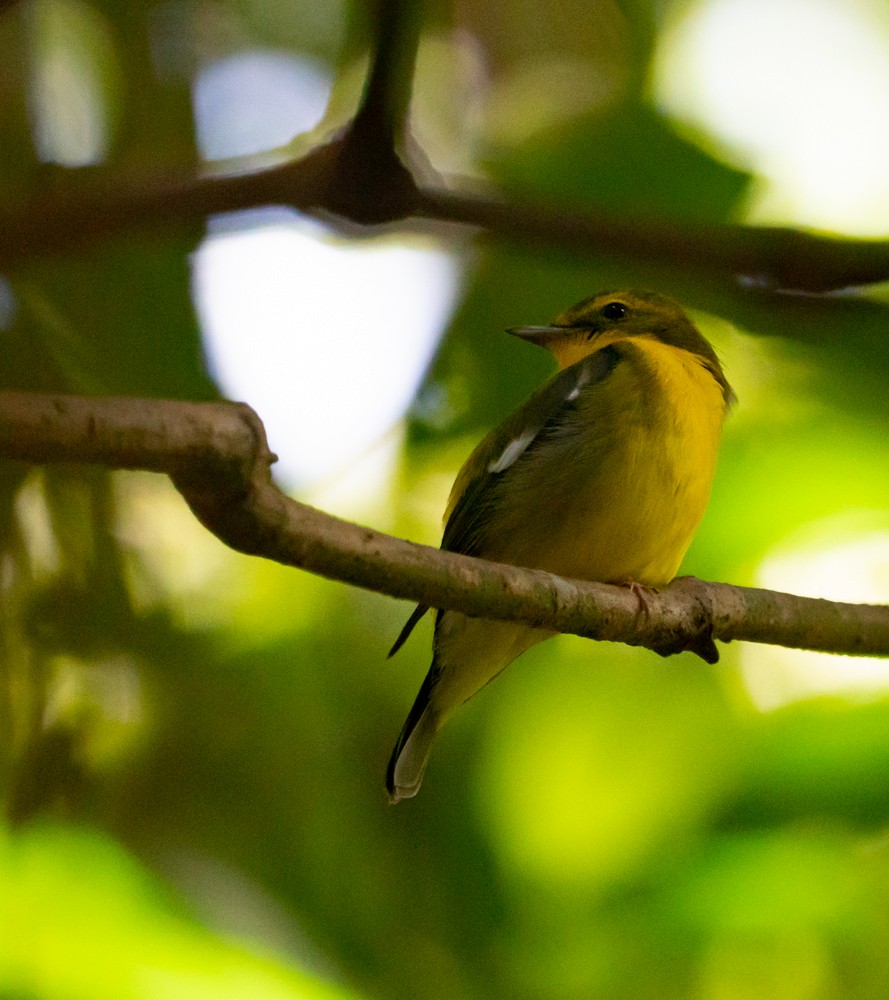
<point>192,743</point>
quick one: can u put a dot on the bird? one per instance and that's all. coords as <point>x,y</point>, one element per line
<point>601,474</point>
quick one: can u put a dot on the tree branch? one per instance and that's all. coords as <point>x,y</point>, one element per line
<point>387,93</point>
<point>217,455</point>
<point>366,181</point>
<point>343,178</point>
<point>360,178</point>
<point>771,257</point>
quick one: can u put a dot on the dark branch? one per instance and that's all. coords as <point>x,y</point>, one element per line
<point>337,178</point>
<point>360,178</point>
<point>366,180</point>
<point>217,455</point>
<point>94,206</point>
<point>770,256</point>
<point>387,93</point>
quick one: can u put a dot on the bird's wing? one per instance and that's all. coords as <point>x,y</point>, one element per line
<point>473,498</point>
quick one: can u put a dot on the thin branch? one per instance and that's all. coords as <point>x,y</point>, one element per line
<point>771,257</point>
<point>217,455</point>
<point>360,178</point>
<point>94,206</point>
<point>366,180</point>
<point>384,104</point>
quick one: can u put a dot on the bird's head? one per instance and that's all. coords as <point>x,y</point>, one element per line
<point>611,316</point>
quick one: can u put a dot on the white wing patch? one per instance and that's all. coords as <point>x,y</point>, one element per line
<point>513,450</point>
<point>517,447</point>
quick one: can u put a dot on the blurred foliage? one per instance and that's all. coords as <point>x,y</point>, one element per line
<point>117,933</point>
<point>192,743</point>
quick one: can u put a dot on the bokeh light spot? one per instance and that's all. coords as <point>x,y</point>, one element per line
<point>73,72</point>
<point>843,558</point>
<point>256,100</point>
<point>327,340</point>
<point>795,89</point>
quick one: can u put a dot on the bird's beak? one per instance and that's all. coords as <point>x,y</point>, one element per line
<point>540,335</point>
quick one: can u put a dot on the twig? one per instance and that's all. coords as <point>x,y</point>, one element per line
<point>387,93</point>
<point>336,178</point>
<point>360,178</point>
<point>216,454</point>
<point>366,180</point>
<point>94,205</point>
<point>770,257</point>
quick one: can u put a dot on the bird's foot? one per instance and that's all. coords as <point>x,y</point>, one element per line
<point>643,595</point>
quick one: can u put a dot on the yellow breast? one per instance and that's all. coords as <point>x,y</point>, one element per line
<point>664,464</point>
<point>624,505</point>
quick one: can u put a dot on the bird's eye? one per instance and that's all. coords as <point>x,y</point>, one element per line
<point>614,310</point>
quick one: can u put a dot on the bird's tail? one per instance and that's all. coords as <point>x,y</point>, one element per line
<point>408,761</point>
